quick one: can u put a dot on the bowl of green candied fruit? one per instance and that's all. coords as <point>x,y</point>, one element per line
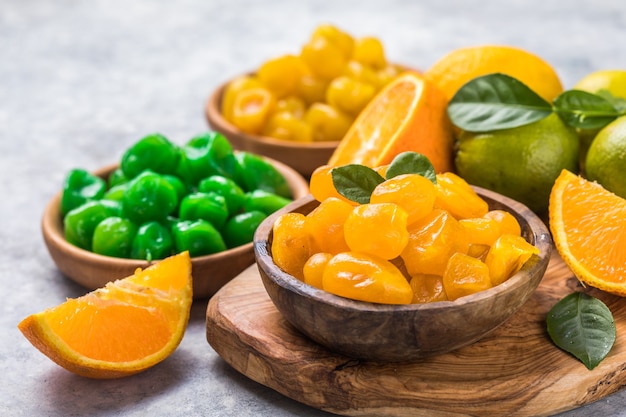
<point>161,199</point>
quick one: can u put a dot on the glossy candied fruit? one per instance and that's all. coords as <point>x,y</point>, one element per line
<point>507,256</point>
<point>455,195</point>
<point>282,75</point>
<point>313,269</point>
<point>349,95</point>
<point>465,275</point>
<point>414,193</point>
<point>359,276</point>
<point>252,108</point>
<point>326,225</point>
<point>427,288</point>
<point>291,243</point>
<point>329,124</point>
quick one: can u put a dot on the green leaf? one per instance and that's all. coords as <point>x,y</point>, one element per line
<point>584,110</point>
<point>411,163</point>
<point>583,326</point>
<point>618,102</point>
<point>495,102</point>
<point>356,182</point>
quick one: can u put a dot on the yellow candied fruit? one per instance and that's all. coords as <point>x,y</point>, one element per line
<point>507,222</point>
<point>252,108</point>
<point>507,256</point>
<point>349,95</point>
<point>414,193</point>
<point>285,125</point>
<point>465,275</point>
<point>481,230</point>
<point>377,229</point>
<point>432,240</point>
<point>244,82</point>
<point>312,89</point>
<point>322,187</point>
<point>359,276</point>
<point>362,73</point>
<point>427,288</point>
<point>328,123</point>
<point>456,196</point>
<point>336,36</point>
<point>291,104</point>
<point>325,59</point>
<point>326,223</point>
<point>292,245</point>
<point>313,269</point>
<point>282,75</point>
<point>387,74</point>
<point>369,51</point>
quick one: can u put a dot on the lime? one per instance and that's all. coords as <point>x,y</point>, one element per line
<point>606,159</point>
<point>604,82</point>
<point>522,162</point>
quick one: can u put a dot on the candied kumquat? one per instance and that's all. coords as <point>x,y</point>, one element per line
<point>313,269</point>
<point>292,245</point>
<point>465,275</point>
<point>427,288</point>
<point>507,256</point>
<point>377,229</point>
<point>326,223</point>
<point>432,240</point>
<point>367,278</point>
<point>455,195</point>
<point>322,187</point>
<point>414,193</point>
<point>508,223</point>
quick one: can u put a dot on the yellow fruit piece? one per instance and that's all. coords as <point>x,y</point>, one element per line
<point>336,36</point>
<point>313,269</point>
<point>349,95</point>
<point>328,123</point>
<point>121,329</point>
<point>414,193</point>
<point>325,59</point>
<point>322,187</point>
<point>292,245</point>
<point>326,223</point>
<point>606,159</point>
<point>458,67</point>
<point>312,89</point>
<point>506,221</point>
<point>588,225</point>
<point>612,81</point>
<point>457,197</point>
<point>244,82</point>
<point>481,231</point>
<point>409,114</point>
<point>427,288</point>
<point>432,240</point>
<point>367,278</point>
<point>359,72</point>
<point>282,75</point>
<point>291,104</point>
<point>252,108</point>
<point>377,229</point>
<point>465,275</point>
<point>507,256</point>
<point>370,52</point>
<point>287,126</point>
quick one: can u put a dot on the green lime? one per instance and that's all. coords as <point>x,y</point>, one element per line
<point>609,83</point>
<point>606,159</point>
<point>521,163</point>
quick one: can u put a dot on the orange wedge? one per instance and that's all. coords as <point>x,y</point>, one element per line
<point>409,114</point>
<point>461,65</point>
<point>588,225</point>
<point>121,329</point>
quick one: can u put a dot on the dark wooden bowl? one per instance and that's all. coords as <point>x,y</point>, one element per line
<point>401,333</point>
<point>93,271</point>
<point>303,157</point>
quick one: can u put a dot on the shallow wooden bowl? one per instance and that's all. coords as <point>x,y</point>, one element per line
<point>93,271</point>
<point>303,157</point>
<point>391,333</point>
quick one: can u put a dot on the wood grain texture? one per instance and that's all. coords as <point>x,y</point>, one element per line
<point>515,371</point>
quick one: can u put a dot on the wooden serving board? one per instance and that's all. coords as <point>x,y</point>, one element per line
<point>515,371</point>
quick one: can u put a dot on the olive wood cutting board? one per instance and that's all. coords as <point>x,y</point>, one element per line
<point>515,371</point>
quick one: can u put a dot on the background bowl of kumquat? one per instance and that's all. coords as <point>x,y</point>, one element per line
<point>395,333</point>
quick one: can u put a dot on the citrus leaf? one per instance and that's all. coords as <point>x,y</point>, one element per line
<point>411,163</point>
<point>618,102</point>
<point>584,110</point>
<point>583,326</point>
<point>356,182</point>
<point>495,102</point>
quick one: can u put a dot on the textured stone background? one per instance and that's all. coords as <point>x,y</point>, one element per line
<point>82,80</point>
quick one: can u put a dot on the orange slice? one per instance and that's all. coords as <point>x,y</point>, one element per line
<point>409,114</point>
<point>588,225</point>
<point>121,329</point>
<point>461,65</point>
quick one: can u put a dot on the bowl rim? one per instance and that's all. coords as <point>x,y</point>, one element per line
<point>52,224</point>
<point>540,233</point>
<point>214,115</point>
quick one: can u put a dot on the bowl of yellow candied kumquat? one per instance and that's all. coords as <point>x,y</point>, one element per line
<point>296,107</point>
<point>398,262</point>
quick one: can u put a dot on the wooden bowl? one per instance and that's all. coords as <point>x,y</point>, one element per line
<point>396,333</point>
<point>303,157</point>
<point>93,271</point>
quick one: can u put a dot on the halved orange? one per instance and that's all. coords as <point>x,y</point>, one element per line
<point>588,225</point>
<point>409,114</point>
<point>121,329</point>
